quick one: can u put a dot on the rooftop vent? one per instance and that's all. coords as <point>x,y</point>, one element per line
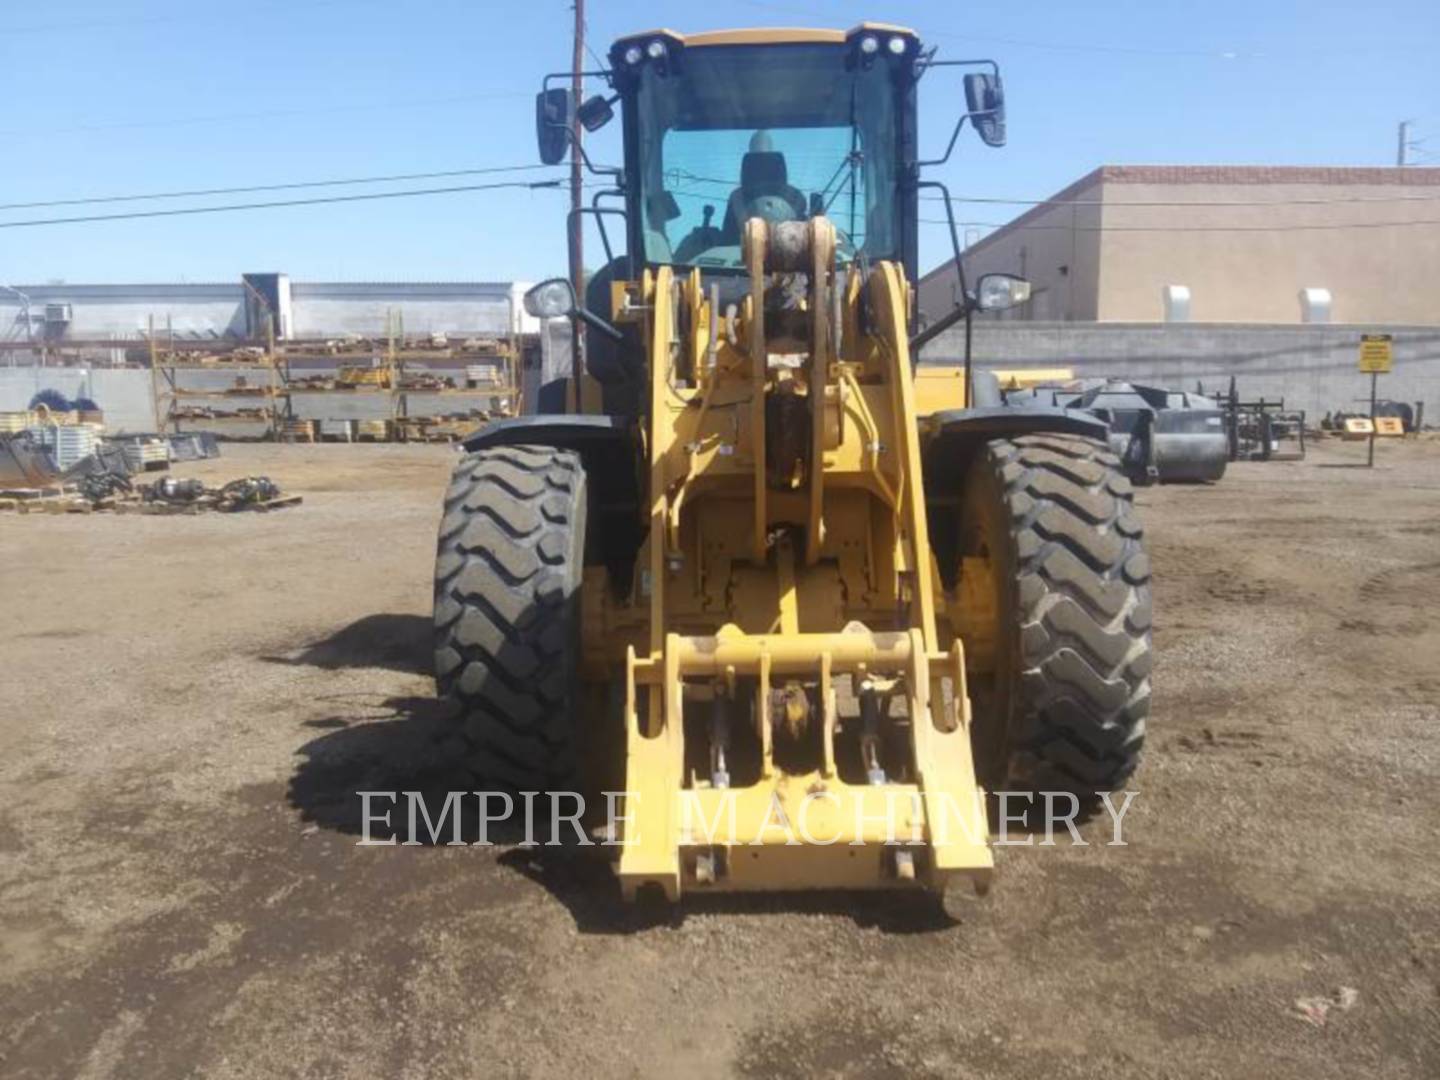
<point>1177,303</point>
<point>1315,305</point>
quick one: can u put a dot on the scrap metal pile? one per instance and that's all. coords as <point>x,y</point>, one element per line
<point>115,491</point>
<point>31,481</point>
<point>1390,419</point>
<point>192,495</point>
<point>1261,429</point>
<point>44,457</point>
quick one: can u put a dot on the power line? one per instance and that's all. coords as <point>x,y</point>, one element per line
<point>1107,203</point>
<point>130,215</point>
<point>599,60</point>
<point>289,7</point>
<point>1049,46</point>
<point>1133,228</point>
<point>270,187</point>
<point>554,183</point>
<point>1145,228</point>
<point>48,130</point>
<point>1340,201</point>
<point>1325,227</point>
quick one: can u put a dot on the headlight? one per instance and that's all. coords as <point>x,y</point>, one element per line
<point>999,292</point>
<point>550,299</point>
<point>896,45</point>
<point>633,55</point>
<point>869,44</point>
<point>655,50</point>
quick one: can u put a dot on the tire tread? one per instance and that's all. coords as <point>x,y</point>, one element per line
<point>507,579</point>
<point>1081,582</point>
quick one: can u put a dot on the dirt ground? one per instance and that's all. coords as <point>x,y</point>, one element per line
<point>188,706</point>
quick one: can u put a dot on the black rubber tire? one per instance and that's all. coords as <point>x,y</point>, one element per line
<point>1065,707</point>
<point>507,613</point>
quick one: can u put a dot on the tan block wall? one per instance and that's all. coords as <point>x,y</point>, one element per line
<point>1252,272</point>
<point>1058,250</point>
<point>1245,240</point>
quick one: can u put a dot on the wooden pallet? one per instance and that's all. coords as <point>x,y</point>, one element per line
<point>206,505</point>
<point>66,502</point>
<point>161,509</point>
<point>60,504</point>
<point>296,431</point>
<point>280,502</point>
<point>28,494</point>
<point>51,499</point>
<point>433,429</point>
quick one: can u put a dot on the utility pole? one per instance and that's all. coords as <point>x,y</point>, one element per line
<point>1404,144</point>
<point>577,248</point>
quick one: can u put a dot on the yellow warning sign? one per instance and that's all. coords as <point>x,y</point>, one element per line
<point>1377,354</point>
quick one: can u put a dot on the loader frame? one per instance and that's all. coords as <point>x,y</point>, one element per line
<point>782,554</point>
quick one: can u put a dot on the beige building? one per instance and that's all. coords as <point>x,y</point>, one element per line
<point>1234,244</point>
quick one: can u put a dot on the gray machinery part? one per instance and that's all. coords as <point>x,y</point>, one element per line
<point>193,446</point>
<point>1159,435</point>
<point>107,459</point>
<point>25,464</point>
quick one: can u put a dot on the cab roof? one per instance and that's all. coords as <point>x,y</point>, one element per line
<point>772,35</point>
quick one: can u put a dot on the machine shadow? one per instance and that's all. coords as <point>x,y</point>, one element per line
<point>586,885</point>
<point>413,749</point>
<point>392,642</point>
<point>404,751</point>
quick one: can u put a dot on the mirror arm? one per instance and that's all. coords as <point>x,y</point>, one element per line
<point>950,148</point>
<point>962,309</point>
<point>590,319</point>
<point>613,171</point>
<point>598,170</point>
<point>935,329</point>
<point>576,309</point>
<point>954,135</point>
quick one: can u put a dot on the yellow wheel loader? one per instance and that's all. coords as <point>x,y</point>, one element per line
<point>825,598</point>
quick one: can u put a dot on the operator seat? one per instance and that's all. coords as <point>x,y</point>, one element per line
<point>762,173</point>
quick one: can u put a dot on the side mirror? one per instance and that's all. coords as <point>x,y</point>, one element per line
<point>552,124</point>
<point>553,298</point>
<point>985,99</point>
<point>595,113</point>
<point>1000,292</point>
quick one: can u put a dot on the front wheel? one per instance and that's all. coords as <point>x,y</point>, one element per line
<point>507,613</point>
<point>1047,522</point>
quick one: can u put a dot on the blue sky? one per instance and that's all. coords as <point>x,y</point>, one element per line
<point>160,95</point>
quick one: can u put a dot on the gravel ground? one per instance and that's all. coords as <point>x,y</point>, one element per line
<point>189,704</point>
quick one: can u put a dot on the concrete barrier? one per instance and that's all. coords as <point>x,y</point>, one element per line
<point>1311,367</point>
<point>123,394</point>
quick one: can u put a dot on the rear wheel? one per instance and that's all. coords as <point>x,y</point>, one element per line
<point>507,613</point>
<point>1048,523</point>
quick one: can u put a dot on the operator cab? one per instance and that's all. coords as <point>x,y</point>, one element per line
<point>723,127</point>
<point>780,124</point>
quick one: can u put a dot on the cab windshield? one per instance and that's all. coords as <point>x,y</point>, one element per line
<point>783,132</point>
